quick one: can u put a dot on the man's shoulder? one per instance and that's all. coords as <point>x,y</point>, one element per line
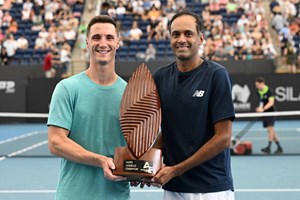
<point>165,69</point>
<point>214,65</point>
<point>72,80</point>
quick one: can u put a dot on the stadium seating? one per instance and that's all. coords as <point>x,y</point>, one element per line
<point>31,56</point>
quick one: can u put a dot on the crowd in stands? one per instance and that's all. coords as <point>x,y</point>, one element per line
<point>286,23</point>
<point>233,29</point>
<point>31,28</point>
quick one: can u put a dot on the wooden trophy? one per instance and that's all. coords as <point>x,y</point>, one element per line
<point>140,117</point>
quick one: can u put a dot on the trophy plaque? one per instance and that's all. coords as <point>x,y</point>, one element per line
<point>140,117</point>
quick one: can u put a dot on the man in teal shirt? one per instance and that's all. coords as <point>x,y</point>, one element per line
<point>83,123</point>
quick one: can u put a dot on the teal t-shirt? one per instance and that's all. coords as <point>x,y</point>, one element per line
<point>91,113</point>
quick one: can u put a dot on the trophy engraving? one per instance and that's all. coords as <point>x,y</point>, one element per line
<point>140,117</point>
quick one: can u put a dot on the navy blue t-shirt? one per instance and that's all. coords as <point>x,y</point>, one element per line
<point>191,103</point>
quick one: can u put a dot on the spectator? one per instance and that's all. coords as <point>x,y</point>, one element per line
<point>22,42</point>
<point>151,29</point>
<point>49,10</point>
<point>48,65</point>
<point>232,7</point>
<point>220,54</point>
<point>135,32</point>
<point>43,33</point>
<point>6,19</point>
<point>13,27</point>
<point>1,16</point>
<point>26,14</point>
<point>39,43</point>
<point>11,46</point>
<point>278,22</point>
<point>257,50</point>
<point>154,13</point>
<point>214,7</point>
<point>228,47</point>
<point>150,53</point>
<point>161,31</point>
<point>36,16</point>
<point>138,8</point>
<point>181,4</point>
<point>291,57</point>
<point>2,36</point>
<point>82,43</point>
<point>73,22</point>
<point>112,11</point>
<point>27,5</point>
<point>242,22</point>
<point>65,58</point>
<point>69,34</point>
<point>48,42</point>
<point>3,57</point>
<point>272,5</point>
<point>82,27</point>
<point>60,38</point>
<point>120,10</point>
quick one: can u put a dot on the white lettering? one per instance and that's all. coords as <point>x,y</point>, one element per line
<point>286,94</point>
<point>8,86</point>
<point>242,106</point>
<point>146,165</point>
<point>198,93</point>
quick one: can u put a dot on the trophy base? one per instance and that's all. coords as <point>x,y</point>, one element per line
<point>135,169</point>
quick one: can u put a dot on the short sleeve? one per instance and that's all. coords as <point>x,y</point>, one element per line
<point>61,109</point>
<point>221,104</point>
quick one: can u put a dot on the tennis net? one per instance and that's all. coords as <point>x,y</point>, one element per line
<point>25,134</point>
<point>248,129</point>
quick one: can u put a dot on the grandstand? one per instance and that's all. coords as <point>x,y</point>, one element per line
<point>231,29</point>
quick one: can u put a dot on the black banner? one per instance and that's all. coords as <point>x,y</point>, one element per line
<point>39,92</point>
<point>12,95</point>
<point>285,86</point>
<point>34,95</point>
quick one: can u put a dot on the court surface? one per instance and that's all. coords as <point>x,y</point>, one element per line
<point>255,178</point>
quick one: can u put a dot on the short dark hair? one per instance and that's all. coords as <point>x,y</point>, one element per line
<point>102,19</point>
<point>198,20</point>
<point>260,80</point>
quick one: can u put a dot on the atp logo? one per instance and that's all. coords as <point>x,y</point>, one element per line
<point>8,86</point>
<point>148,167</point>
<point>199,93</point>
<point>240,97</point>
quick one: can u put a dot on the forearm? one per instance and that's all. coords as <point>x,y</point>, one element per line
<point>62,146</point>
<point>268,106</point>
<point>72,151</point>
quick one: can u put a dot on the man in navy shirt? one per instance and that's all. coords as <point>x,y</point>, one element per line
<point>197,115</point>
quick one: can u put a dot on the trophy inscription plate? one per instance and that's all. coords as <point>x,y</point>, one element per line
<point>140,117</point>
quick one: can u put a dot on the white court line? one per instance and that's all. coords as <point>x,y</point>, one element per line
<point>146,191</point>
<point>20,137</point>
<point>23,150</point>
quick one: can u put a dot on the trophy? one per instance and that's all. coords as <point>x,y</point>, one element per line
<point>140,117</point>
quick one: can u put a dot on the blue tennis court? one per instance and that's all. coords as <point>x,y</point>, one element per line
<point>264,177</point>
<point>255,177</point>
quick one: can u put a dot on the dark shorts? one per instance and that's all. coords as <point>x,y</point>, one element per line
<point>268,121</point>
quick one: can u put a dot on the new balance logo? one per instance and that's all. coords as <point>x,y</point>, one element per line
<point>199,93</point>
